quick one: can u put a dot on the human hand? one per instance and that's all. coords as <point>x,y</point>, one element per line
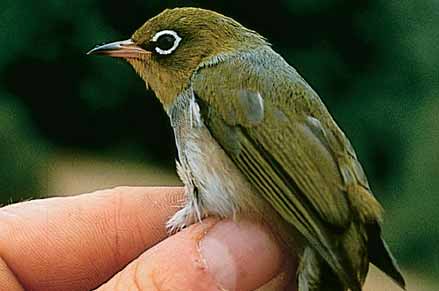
<point>116,240</point>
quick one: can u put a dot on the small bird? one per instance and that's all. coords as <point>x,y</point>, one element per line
<point>255,141</point>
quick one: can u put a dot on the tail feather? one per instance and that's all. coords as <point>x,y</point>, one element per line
<point>380,255</point>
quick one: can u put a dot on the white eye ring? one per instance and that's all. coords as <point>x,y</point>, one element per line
<point>173,48</point>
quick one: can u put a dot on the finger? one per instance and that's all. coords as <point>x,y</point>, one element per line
<point>8,279</point>
<point>76,243</point>
<point>285,280</point>
<point>209,256</point>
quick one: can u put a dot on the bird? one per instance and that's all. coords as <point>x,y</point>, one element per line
<point>255,141</point>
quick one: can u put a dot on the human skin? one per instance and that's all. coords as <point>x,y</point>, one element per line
<point>116,240</point>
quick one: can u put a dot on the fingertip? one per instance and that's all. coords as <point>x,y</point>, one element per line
<point>211,255</point>
<point>241,256</point>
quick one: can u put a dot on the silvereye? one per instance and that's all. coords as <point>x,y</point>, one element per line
<point>254,140</point>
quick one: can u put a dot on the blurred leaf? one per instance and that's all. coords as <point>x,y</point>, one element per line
<point>23,155</point>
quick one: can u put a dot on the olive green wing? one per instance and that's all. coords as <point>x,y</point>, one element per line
<point>288,157</point>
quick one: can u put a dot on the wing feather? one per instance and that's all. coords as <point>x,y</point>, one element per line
<point>270,178</point>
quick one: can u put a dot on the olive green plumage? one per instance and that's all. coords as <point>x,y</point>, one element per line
<point>253,135</point>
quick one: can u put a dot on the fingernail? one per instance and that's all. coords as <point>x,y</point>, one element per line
<point>240,256</point>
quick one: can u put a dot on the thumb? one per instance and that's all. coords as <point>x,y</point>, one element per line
<point>212,255</point>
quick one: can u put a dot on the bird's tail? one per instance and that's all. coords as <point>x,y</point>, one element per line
<point>380,255</point>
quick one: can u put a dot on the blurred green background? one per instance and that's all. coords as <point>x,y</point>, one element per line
<point>71,123</point>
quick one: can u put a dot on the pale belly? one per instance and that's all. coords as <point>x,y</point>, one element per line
<point>214,185</point>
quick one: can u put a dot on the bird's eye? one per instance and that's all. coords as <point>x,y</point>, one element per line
<point>166,42</point>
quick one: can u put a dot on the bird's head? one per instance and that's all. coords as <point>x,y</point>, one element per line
<point>169,47</point>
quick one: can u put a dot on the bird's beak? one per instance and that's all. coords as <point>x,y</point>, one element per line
<point>120,49</point>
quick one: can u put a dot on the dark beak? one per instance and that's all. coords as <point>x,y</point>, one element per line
<point>120,49</point>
